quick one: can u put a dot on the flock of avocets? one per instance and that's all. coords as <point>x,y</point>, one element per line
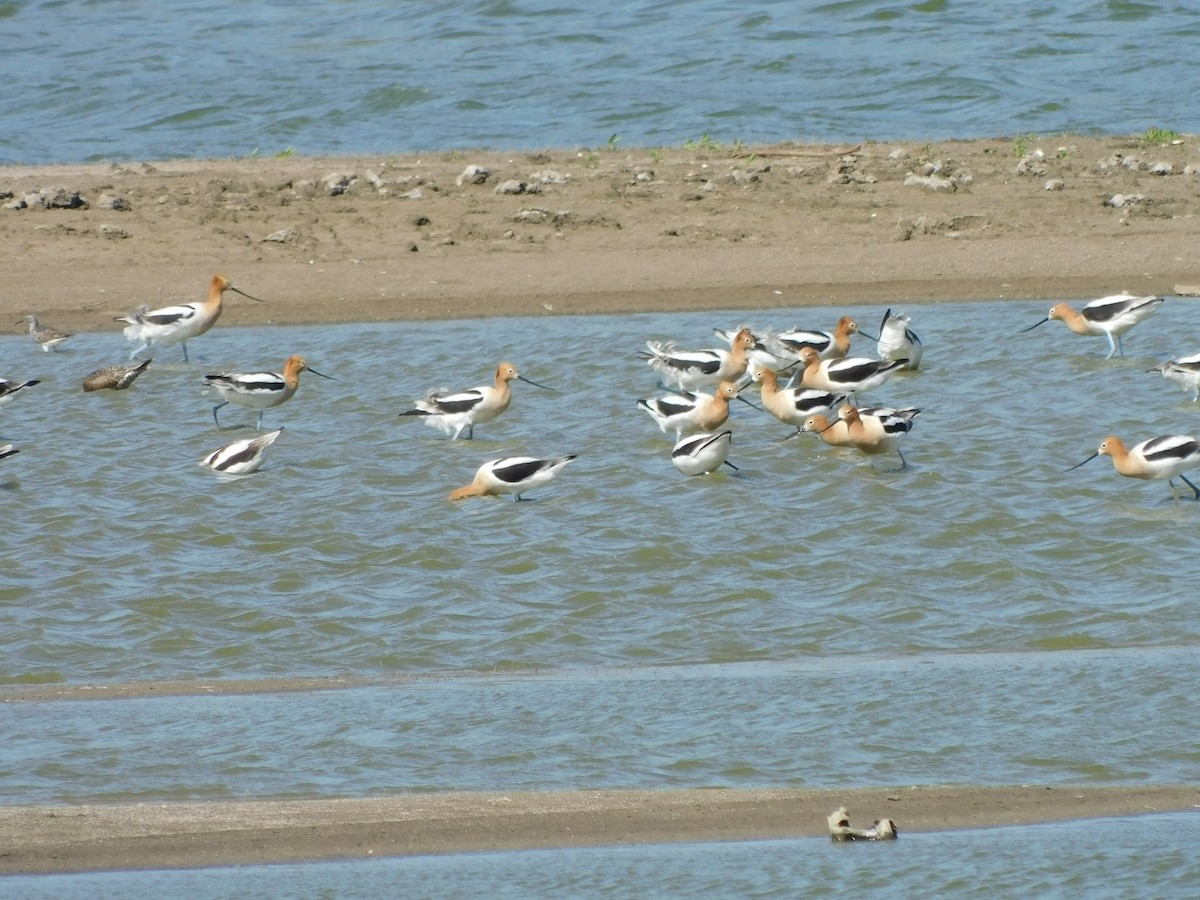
<point>807,380</point>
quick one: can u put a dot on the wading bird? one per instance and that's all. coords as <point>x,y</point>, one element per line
<point>46,337</point>
<point>512,475</point>
<point>453,414</point>
<point>703,454</point>
<point>1153,460</point>
<point>241,457</point>
<point>259,390</point>
<point>116,378</point>
<point>1109,316</point>
<point>175,324</point>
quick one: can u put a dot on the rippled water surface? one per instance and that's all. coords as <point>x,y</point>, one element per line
<point>126,560</point>
<point>165,78</point>
<point>812,619</point>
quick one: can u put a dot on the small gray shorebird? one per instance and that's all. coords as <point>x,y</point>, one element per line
<point>46,337</point>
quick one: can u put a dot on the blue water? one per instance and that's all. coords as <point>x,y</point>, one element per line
<point>139,79</point>
<point>813,619</point>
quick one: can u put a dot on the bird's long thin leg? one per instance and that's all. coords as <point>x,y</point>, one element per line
<point>1192,486</point>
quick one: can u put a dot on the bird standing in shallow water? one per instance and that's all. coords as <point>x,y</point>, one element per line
<point>455,413</point>
<point>851,375</point>
<point>692,369</point>
<point>175,324</point>
<point>878,431</point>
<point>689,413</point>
<point>1153,460</point>
<point>116,378</point>
<point>828,344</point>
<point>241,457</point>
<point>1109,316</point>
<point>259,390</point>
<point>831,431</point>
<point>512,475</point>
<point>47,338</point>
<point>898,341</point>
<point>702,454</point>
<point>792,406</point>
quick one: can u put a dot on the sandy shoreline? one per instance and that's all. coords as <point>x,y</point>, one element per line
<point>172,835</point>
<point>394,238</point>
<point>652,229</point>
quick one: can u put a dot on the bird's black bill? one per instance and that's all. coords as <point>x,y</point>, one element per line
<point>1088,460</point>
<point>534,383</point>
<point>1034,325</point>
<point>748,403</point>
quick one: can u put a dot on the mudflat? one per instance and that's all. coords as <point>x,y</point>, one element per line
<point>165,835</point>
<point>576,232</point>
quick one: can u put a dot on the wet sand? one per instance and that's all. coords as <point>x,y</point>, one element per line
<point>394,238</point>
<point>655,229</point>
<point>83,838</point>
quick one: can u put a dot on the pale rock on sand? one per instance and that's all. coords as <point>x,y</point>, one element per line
<point>840,830</point>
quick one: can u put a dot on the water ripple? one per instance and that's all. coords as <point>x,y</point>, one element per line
<point>221,79</point>
<point>343,555</point>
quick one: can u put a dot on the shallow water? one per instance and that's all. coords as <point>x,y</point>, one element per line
<point>1147,856</point>
<point>981,617</point>
<point>151,79</point>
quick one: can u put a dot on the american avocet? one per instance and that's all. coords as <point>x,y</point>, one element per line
<point>840,829</point>
<point>828,344</point>
<point>879,430</point>
<point>47,338</point>
<point>898,341</point>
<point>175,324</point>
<point>851,375</point>
<point>691,413</point>
<point>1184,371</point>
<point>259,390</point>
<point>703,454</point>
<point>512,475</point>
<point>10,389</point>
<point>691,369</point>
<point>1109,316</point>
<point>8,450</point>
<point>760,356</point>
<point>792,406</point>
<point>241,457</point>
<point>116,378</point>
<point>832,431</point>
<point>453,414</point>
<point>1153,460</point>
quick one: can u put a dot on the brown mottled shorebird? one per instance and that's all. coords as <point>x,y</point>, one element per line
<point>47,338</point>
<point>115,377</point>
